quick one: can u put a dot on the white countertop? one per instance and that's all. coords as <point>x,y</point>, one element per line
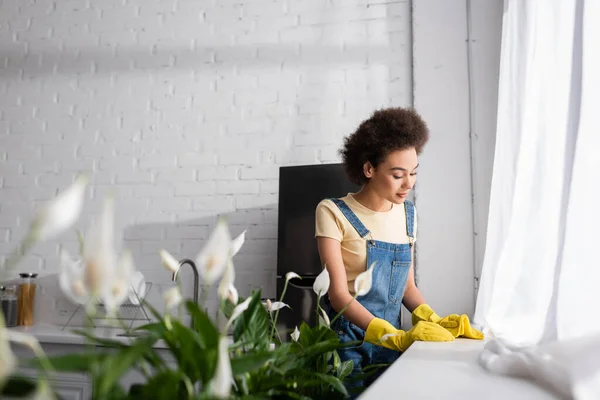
<point>433,370</point>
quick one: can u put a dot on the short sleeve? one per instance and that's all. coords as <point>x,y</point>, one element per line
<point>327,224</point>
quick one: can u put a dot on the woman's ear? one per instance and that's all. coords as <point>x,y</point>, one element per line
<point>368,169</point>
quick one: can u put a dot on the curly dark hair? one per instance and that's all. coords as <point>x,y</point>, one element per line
<point>387,130</point>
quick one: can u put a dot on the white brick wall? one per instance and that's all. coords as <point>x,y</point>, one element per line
<point>186,109</point>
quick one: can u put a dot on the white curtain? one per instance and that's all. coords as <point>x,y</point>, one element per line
<point>540,282</point>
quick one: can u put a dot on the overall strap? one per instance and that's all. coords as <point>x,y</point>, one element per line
<point>409,209</point>
<point>352,218</point>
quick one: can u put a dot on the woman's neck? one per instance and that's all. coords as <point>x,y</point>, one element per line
<point>370,199</point>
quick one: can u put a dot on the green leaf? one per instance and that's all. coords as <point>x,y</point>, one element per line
<point>156,328</point>
<point>165,385</point>
<point>328,345</point>
<point>207,331</point>
<point>118,363</point>
<point>100,341</point>
<point>345,369</point>
<point>75,362</point>
<point>336,360</point>
<point>331,381</point>
<point>310,336</point>
<point>17,386</point>
<point>253,325</point>
<point>306,335</point>
<point>196,359</point>
<point>227,308</point>
<point>250,362</point>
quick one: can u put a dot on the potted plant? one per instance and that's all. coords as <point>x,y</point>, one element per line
<point>204,361</point>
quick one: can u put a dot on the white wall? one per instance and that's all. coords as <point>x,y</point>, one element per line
<point>185,109</point>
<point>457,98</point>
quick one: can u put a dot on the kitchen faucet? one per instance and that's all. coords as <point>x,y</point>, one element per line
<point>193,265</point>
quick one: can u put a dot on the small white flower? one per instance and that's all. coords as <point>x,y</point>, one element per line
<point>61,213</point>
<point>233,295</point>
<point>364,281</point>
<point>221,382</point>
<point>321,285</point>
<point>295,335</point>
<point>172,297</point>
<point>291,275</point>
<point>237,243</point>
<point>277,305</point>
<point>325,317</point>
<point>70,279</point>
<point>212,259</point>
<point>168,261</point>
<point>237,311</point>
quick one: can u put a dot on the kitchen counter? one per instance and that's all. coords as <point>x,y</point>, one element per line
<point>54,334</point>
<point>429,370</point>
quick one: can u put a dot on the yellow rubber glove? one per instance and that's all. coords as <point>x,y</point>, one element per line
<point>457,325</point>
<point>382,333</point>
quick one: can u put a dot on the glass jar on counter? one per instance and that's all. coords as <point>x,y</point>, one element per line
<point>8,299</point>
<point>26,298</point>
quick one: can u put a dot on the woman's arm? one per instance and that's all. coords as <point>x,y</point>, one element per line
<point>412,295</point>
<point>330,251</point>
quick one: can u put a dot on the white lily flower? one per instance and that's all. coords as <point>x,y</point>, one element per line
<point>226,288</point>
<point>237,243</point>
<point>237,311</point>
<point>276,305</point>
<point>172,297</point>
<point>168,261</point>
<point>321,285</point>
<point>118,289</point>
<point>295,335</point>
<point>99,254</point>
<point>325,317</point>
<point>221,382</point>
<point>100,279</point>
<point>291,275</point>
<point>70,279</point>
<point>227,281</point>
<point>212,260</point>
<point>364,281</point>
<point>61,213</point>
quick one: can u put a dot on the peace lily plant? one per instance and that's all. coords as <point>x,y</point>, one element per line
<point>247,359</point>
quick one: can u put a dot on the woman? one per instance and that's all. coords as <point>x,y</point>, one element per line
<point>376,227</point>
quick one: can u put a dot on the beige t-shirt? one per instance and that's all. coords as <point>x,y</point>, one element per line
<point>387,226</point>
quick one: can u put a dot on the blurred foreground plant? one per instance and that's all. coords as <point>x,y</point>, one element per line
<point>246,360</point>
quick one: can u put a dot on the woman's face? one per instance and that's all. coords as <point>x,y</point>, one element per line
<point>394,178</point>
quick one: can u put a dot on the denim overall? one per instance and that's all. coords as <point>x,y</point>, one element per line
<point>384,300</point>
